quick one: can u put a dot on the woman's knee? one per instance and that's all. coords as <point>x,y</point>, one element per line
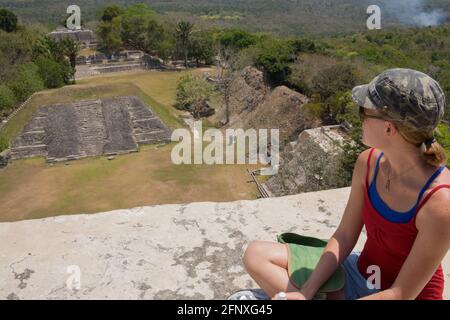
<point>253,254</point>
<point>259,252</point>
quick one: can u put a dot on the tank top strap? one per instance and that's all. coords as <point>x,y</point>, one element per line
<point>368,167</point>
<point>375,171</point>
<point>428,196</point>
<point>377,166</point>
<point>430,180</point>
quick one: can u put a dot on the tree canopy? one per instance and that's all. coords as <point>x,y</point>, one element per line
<point>8,21</point>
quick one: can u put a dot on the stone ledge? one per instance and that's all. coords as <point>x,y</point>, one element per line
<point>189,251</point>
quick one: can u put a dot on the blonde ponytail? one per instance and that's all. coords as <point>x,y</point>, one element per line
<point>434,154</point>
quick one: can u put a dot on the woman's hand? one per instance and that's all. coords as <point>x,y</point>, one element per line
<point>292,296</point>
<point>295,296</point>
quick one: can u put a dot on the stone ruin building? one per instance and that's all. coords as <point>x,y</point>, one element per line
<point>84,37</point>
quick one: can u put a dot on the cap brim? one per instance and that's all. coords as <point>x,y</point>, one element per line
<point>360,95</point>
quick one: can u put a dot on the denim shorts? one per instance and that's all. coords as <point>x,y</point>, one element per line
<point>355,284</point>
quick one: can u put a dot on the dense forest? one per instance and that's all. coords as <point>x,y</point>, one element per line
<point>282,17</point>
<point>324,67</point>
<point>30,62</point>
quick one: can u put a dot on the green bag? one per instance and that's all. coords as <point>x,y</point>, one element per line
<point>304,254</point>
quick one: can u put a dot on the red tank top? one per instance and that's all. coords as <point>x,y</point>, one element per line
<point>389,243</point>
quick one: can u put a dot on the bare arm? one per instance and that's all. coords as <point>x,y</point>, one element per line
<point>429,249</point>
<point>345,237</point>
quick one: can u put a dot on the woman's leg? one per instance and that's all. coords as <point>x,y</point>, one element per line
<point>267,263</point>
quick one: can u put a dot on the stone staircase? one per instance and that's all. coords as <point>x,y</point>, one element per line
<point>147,128</point>
<point>119,133</point>
<point>90,127</point>
<point>32,141</point>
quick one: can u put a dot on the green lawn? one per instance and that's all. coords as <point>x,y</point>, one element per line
<point>31,188</point>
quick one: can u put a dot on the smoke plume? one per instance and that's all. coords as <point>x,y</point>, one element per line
<point>412,12</point>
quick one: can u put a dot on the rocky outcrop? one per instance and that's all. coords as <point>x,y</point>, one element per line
<point>247,91</point>
<point>310,163</point>
<point>5,155</point>
<point>202,109</point>
<point>253,104</point>
<point>281,109</point>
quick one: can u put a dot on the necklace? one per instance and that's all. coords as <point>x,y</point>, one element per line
<point>388,182</point>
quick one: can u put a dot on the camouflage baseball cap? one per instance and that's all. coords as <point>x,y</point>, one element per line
<point>408,96</point>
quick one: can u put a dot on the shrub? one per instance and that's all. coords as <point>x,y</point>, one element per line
<point>237,39</point>
<point>51,72</point>
<point>192,90</point>
<point>8,20</point>
<point>303,45</point>
<point>338,78</point>
<point>27,81</point>
<point>274,59</point>
<point>352,147</point>
<point>7,99</point>
<point>202,47</point>
<point>4,143</point>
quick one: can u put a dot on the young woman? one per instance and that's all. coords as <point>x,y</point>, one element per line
<point>400,192</point>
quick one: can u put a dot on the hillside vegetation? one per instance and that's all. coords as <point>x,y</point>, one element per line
<point>282,17</point>
<point>321,66</point>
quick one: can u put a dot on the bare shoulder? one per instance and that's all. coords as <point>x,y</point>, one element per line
<point>361,163</point>
<point>444,177</point>
<point>437,209</point>
<point>443,194</point>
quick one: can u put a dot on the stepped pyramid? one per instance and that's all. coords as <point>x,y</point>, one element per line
<point>86,128</point>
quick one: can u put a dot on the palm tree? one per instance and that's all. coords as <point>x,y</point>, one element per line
<point>183,36</point>
<point>70,49</point>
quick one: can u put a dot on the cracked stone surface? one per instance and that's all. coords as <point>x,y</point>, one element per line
<point>184,251</point>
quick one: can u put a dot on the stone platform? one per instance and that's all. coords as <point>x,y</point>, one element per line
<point>89,128</point>
<point>183,251</point>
